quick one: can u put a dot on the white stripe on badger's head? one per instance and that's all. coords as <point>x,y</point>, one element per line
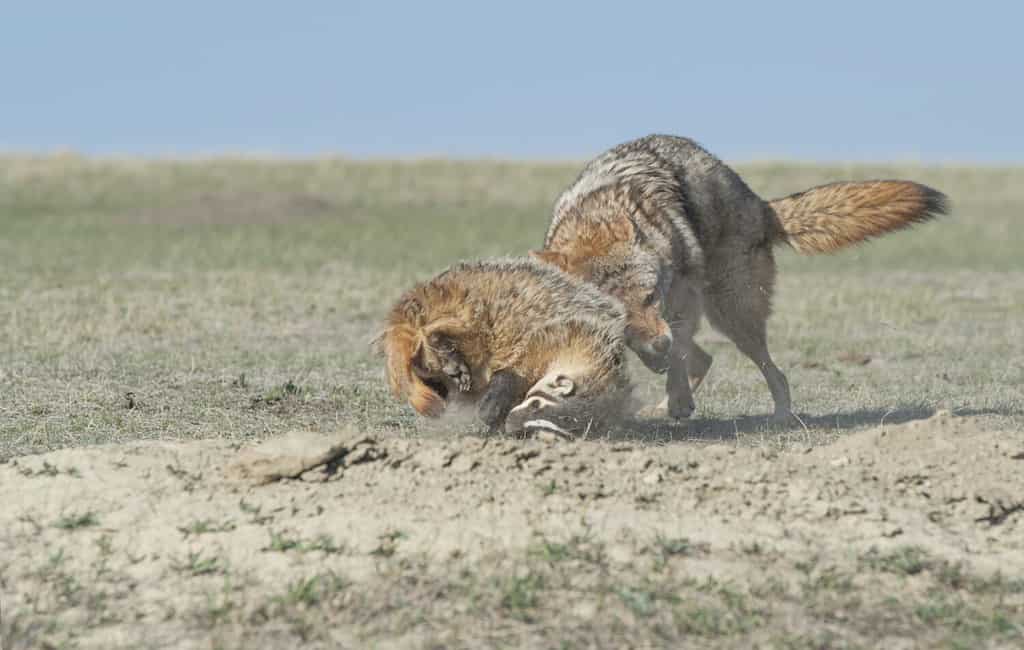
<point>546,400</point>
<point>536,427</point>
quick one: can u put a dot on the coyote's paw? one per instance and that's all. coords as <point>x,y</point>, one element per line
<point>781,418</point>
<point>680,408</point>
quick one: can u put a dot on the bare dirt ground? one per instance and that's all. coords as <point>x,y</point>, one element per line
<point>395,542</point>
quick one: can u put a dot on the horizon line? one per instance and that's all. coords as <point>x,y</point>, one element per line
<point>257,155</point>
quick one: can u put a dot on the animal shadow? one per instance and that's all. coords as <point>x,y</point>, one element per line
<point>716,430</point>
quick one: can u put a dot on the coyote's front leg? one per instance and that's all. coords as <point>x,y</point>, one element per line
<point>689,363</point>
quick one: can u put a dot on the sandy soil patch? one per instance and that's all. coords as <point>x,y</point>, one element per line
<point>173,544</point>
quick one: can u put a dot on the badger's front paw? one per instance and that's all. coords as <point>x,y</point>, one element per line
<point>501,394</point>
<point>492,413</point>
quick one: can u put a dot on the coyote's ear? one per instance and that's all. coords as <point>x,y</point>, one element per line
<point>376,343</point>
<point>561,260</point>
<point>422,396</point>
<point>412,310</point>
<point>400,345</point>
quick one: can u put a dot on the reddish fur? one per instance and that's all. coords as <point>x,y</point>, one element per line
<point>576,248</point>
<point>401,344</point>
<point>828,218</point>
<point>516,315</point>
<point>556,258</point>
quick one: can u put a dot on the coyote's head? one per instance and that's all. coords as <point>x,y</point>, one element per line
<point>424,361</point>
<point>612,257</point>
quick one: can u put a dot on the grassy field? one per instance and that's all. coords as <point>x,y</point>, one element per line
<point>233,299</point>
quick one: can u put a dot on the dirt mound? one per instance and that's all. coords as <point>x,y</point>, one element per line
<point>113,545</point>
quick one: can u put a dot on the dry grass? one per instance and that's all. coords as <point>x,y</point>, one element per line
<point>203,288</point>
<point>512,602</point>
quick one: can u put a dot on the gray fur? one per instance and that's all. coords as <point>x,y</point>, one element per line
<point>708,239</point>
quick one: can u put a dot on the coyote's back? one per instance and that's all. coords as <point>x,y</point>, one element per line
<point>702,200</point>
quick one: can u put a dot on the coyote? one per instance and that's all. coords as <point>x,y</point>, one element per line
<point>671,231</point>
<point>530,346</point>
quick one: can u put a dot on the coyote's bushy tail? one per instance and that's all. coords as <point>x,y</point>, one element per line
<point>829,217</point>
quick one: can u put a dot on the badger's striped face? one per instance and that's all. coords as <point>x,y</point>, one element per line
<point>565,403</point>
<point>549,406</point>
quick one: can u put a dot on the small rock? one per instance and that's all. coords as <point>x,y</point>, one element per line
<point>364,451</point>
<point>316,475</point>
<point>620,553</point>
<point>436,457</point>
<point>290,455</point>
<point>637,463</point>
<point>585,609</point>
<point>526,454</point>
<point>653,478</point>
<point>463,463</point>
<point>568,450</point>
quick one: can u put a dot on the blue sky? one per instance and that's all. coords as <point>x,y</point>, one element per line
<point>861,80</point>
